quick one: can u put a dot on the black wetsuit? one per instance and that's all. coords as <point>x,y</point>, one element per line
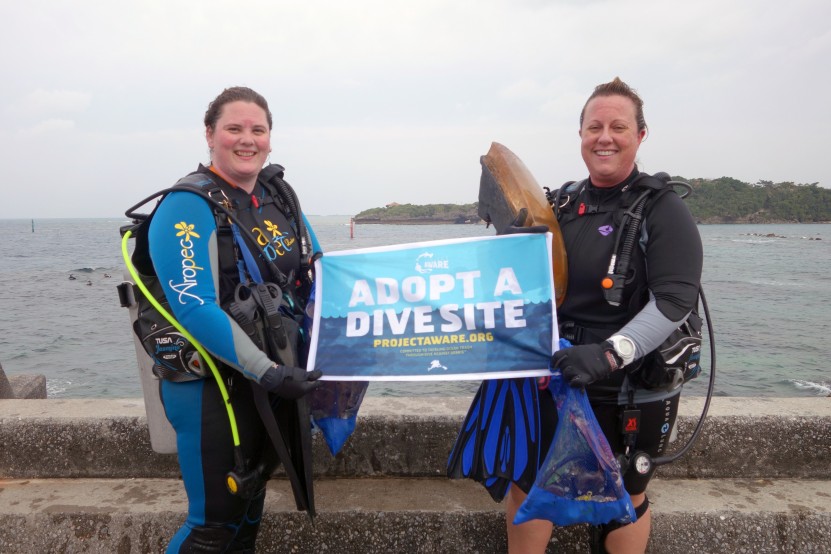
<point>662,289</point>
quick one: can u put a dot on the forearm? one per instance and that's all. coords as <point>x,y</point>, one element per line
<point>649,328</point>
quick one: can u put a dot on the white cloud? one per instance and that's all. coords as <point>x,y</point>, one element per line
<point>527,88</point>
<point>376,99</point>
<point>49,127</point>
<point>40,102</point>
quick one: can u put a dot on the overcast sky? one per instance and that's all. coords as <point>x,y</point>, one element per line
<point>101,101</point>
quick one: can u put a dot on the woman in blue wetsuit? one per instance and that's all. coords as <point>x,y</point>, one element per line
<point>613,341</point>
<point>187,255</point>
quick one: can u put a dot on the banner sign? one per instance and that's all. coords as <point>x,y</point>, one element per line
<point>472,308</point>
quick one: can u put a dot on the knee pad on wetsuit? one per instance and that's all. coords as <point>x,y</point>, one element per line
<point>600,532</point>
<point>201,538</point>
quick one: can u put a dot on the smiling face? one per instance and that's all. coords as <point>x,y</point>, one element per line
<point>610,139</point>
<point>240,142</point>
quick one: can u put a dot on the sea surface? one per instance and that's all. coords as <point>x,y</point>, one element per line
<point>768,288</point>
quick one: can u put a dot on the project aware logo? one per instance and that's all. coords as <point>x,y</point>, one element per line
<point>426,264</point>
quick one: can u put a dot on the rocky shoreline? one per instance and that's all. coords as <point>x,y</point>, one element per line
<point>751,220</point>
<point>775,236</point>
<point>477,221</point>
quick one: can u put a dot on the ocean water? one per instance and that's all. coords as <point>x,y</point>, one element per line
<point>768,287</point>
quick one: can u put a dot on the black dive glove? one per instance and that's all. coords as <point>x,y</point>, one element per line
<point>290,382</point>
<point>516,226</point>
<point>586,363</point>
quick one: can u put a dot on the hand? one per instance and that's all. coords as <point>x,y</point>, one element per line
<point>290,382</point>
<point>584,364</point>
<point>517,225</point>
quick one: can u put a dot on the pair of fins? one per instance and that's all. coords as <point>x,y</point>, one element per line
<point>499,442</point>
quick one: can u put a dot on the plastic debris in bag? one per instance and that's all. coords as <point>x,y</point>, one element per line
<point>580,480</point>
<point>334,408</point>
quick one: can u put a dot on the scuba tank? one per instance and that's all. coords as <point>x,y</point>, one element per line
<point>162,435</point>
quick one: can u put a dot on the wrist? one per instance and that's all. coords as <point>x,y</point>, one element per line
<point>612,358</point>
<point>272,377</point>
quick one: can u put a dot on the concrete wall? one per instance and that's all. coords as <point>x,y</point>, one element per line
<point>80,476</point>
<point>742,437</point>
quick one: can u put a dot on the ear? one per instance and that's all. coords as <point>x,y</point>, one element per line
<point>641,135</point>
<point>209,137</point>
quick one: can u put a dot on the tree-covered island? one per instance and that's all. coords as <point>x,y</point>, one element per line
<point>415,214</point>
<point>723,200</point>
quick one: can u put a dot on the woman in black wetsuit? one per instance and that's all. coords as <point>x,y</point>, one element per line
<point>613,341</point>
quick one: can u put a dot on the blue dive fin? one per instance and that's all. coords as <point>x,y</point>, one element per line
<point>499,442</point>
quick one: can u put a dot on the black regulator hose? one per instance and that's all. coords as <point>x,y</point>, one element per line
<point>710,388</point>
<point>615,280</point>
<point>293,202</point>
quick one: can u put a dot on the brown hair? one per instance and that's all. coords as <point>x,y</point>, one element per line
<point>234,94</point>
<point>618,88</point>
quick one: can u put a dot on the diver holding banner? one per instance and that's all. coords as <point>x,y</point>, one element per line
<point>222,264</point>
<point>629,311</point>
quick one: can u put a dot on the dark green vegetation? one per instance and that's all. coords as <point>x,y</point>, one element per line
<point>414,213</point>
<point>728,200</point>
<point>723,200</point>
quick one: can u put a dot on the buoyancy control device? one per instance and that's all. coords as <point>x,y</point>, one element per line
<point>677,359</point>
<point>269,312</point>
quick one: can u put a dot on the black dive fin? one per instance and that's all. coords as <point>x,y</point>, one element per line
<point>292,417</point>
<point>499,442</point>
<point>290,435</point>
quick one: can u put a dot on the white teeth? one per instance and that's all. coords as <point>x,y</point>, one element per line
<point>605,152</point>
<point>241,153</point>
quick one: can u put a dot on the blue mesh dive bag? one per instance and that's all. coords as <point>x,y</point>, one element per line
<point>333,405</point>
<point>580,480</point>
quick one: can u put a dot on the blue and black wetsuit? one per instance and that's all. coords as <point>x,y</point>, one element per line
<point>184,248</point>
<point>661,289</point>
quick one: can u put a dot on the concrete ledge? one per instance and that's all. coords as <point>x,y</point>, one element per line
<point>5,387</point>
<point>28,387</point>
<point>407,515</point>
<point>407,437</point>
<point>22,386</point>
<point>79,476</point>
